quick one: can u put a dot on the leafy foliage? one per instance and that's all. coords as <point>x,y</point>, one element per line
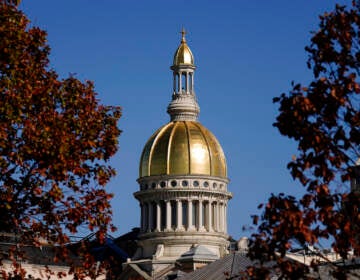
<point>324,119</point>
<point>56,140</point>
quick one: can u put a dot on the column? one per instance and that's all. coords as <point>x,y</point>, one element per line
<point>142,217</point>
<point>219,216</point>
<point>190,221</point>
<point>192,82</point>
<point>168,215</point>
<point>158,216</point>
<point>150,217</point>
<point>222,217</point>
<point>200,215</point>
<point>209,217</point>
<point>217,206</point>
<point>216,212</point>
<point>225,218</point>
<point>223,212</point>
<point>179,225</point>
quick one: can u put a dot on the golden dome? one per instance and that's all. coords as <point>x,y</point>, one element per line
<point>183,54</point>
<point>183,148</point>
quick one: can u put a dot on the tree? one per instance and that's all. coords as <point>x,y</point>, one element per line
<point>56,140</point>
<point>324,119</point>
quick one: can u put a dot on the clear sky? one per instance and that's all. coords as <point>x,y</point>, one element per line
<point>246,53</point>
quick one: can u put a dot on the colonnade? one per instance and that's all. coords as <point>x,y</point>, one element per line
<point>184,81</point>
<point>184,215</point>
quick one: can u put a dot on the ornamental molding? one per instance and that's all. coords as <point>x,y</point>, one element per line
<point>191,195</point>
<point>186,233</point>
<point>182,177</point>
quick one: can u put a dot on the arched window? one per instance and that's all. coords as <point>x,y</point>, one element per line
<point>173,213</point>
<point>202,222</point>
<point>184,206</point>
<point>206,215</point>
<point>183,82</point>
<point>154,215</point>
<point>146,216</point>
<point>163,215</point>
<point>142,216</point>
<point>195,216</point>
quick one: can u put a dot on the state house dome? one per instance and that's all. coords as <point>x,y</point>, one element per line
<point>183,148</point>
<point>183,194</point>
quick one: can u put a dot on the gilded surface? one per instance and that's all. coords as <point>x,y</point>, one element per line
<point>200,155</point>
<point>179,156</point>
<point>183,148</point>
<point>183,55</point>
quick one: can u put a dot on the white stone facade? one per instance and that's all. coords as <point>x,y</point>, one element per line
<point>183,203</point>
<point>180,211</point>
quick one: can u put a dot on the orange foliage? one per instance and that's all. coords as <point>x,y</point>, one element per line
<point>323,118</point>
<point>56,140</point>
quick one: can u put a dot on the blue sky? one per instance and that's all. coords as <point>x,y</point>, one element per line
<point>246,53</point>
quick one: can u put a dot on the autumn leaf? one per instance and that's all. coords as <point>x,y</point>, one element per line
<point>323,119</point>
<point>56,140</point>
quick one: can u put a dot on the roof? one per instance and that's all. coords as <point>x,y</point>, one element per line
<point>41,255</point>
<point>231,266</point>
<point>183,148</point>
<point>183,54</point>
<point>224,268</point>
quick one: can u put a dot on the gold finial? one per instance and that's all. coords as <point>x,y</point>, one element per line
<point>183,32</point>
<point>183,53</point>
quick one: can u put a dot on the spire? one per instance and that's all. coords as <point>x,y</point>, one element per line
<point>183,32</point>
<point>183,105</point>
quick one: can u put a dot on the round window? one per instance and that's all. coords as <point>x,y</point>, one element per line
<point>184,183</point>
<point>153,185</point>
<point>196,183</point>
<point>206,184</point>
<point>173,183</point>
<point>162,184</point>
<point>214,185</point>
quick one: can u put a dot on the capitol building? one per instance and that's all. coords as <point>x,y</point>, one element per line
<point>183,186</point>
<point>183,200</point>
